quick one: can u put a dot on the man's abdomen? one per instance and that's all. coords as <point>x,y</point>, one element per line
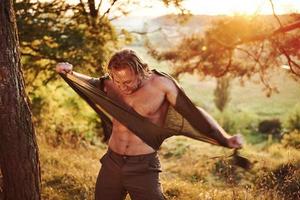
<point>127,143</point>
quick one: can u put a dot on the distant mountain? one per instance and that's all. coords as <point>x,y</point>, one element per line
<point>202,20</point>
<point>168,23</point>
<point>172,30</point>
<point>132,23</point>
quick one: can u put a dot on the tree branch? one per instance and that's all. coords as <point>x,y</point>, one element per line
<point>99,5</point>
<point>84,12</point>
<point>108,10</point>
<point>290,60</point>
<point>274,14</point>
<point>93,11</point>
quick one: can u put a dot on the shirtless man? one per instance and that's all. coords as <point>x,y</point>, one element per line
<point>130,165</point>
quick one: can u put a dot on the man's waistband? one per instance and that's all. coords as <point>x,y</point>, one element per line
<point>132,157</point>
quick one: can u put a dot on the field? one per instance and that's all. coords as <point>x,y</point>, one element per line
<point>190,171</point>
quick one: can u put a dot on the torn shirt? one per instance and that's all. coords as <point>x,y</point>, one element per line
<point>183,119</point>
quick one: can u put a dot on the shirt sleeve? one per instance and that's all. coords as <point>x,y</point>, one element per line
<point>98,82</point>
<point>94,81</point>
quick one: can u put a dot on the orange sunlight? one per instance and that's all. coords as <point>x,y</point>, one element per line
<point>248,7</point>
<point>219,7</point>
<point>204,7</point>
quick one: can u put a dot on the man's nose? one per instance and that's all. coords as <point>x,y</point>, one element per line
<point>123,87</point>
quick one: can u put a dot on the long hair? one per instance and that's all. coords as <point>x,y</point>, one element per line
<point>128,58</point>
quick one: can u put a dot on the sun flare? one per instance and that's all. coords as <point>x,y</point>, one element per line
<point>247,7</point>
<point>221,7</point>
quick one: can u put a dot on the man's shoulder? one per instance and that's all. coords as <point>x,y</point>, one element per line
<point>164,77</point>
<point>162,81</point>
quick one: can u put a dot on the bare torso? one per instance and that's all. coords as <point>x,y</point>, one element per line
<point>149,101</point>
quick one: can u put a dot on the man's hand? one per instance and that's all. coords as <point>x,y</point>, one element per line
<point>64,67</point>
<point>235,142</point>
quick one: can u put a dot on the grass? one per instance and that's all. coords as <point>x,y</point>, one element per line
<point>249,97</point>
<point>190,171</point>
<point>69,173</point>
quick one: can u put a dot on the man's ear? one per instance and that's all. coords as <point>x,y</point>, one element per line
<point>140,76</point>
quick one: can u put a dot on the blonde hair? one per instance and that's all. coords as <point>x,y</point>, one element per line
<point>128,58</point>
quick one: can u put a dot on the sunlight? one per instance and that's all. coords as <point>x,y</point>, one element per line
<point>285,67</point>
<point>248,7</point>
<point>211,7</point>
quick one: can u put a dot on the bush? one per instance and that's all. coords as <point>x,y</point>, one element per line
<point>291,139</point>
<point>62,117</point>
<point>237,122</point>
<point>294,119</point>
<point>272,126</point>
<point>227,120</point>
<point>226,171</point>
<point>284,180</point>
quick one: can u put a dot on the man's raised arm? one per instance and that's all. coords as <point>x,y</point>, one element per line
<point>65,67</point>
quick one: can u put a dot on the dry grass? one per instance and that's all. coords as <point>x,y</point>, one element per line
<point>69,173</point>
<point>189,172</point>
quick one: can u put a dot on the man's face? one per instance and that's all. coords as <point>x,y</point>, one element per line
<point>125,79</point>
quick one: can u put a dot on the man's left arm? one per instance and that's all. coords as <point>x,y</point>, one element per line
<point>172,95</point>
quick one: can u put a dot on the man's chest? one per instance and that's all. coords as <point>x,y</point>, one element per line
<point>147,101</point>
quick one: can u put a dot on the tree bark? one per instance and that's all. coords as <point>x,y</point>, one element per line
<point>19,159</point>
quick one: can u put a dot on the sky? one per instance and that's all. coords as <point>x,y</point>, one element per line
<point>206,7</point>
<point>215,7</point>
<point>220,7</point>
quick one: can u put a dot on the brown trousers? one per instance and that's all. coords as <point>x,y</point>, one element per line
<point>136,175</point>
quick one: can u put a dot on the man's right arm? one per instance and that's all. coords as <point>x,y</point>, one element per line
<point>85,77</point>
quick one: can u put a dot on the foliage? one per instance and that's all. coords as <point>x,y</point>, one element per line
<point>245,123</point>
<point>291,139</point>
<point>62,118</point>
<point>174,2</point>
<point>228,123</point>
<point>56,31</point>
<point>293,121</point>
<point>237,45</point>
<point>181,10</point>
<point>271,126</point>
<point>237,122</point>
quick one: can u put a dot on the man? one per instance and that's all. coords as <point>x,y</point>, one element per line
<point>130,165</point>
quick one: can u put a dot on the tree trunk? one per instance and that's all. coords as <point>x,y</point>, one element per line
<point>19,160</point>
